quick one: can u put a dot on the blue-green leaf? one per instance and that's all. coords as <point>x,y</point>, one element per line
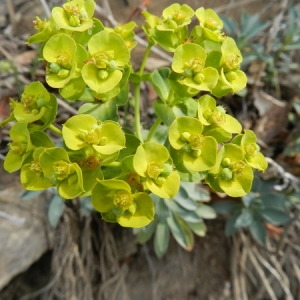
<point>206,212</point>
<point>275,217</point>
<point>181,232</point>
<point>161,239</point>
<point>244,219</point>
<point>258,231</point>
<point>55,210</point>
<point>160,83</point>
<point>164,112</point>
<point>225,206</point>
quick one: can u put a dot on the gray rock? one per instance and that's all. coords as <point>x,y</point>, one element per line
<point>24,229</point>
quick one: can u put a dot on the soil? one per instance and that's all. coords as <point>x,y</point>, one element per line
<point>94,260</point>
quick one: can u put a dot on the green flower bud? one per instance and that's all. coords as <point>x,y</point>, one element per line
<point>112,65</point>
<point>167,170</point>
<point>184,136</point>
<point>231,76</point>
<point>196,153</point>
<point>103,74</point>
<point>199,78</point>
<point>103,141</point>
<point>226,174</point>
<point>63,73</point>
<point>74,21</point>
<point>160,180</point>
<point>226,162</point>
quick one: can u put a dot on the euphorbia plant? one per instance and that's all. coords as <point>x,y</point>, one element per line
<point>125,170</point>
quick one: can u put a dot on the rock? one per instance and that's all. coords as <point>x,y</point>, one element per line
<point>25,234</point>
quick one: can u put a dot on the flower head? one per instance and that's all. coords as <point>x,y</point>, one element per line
<point>152,164</point>
<point>105,70</point>
<point>114,199</point>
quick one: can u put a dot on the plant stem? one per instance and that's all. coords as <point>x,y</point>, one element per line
<point>137,115</point>
<point>55,129</point>
<point>137,94</point>
<point>153,129</point>
<point>9,119</point>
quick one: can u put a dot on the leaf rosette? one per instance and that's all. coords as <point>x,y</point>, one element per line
<point>196,152</point>
<point>152,163</point>
<point>114,199</point>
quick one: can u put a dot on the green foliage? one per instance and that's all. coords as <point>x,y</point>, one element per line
<point>262,205</point>
<point>183,217</point>
<point>136,177</point>
<point>248,32</point>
